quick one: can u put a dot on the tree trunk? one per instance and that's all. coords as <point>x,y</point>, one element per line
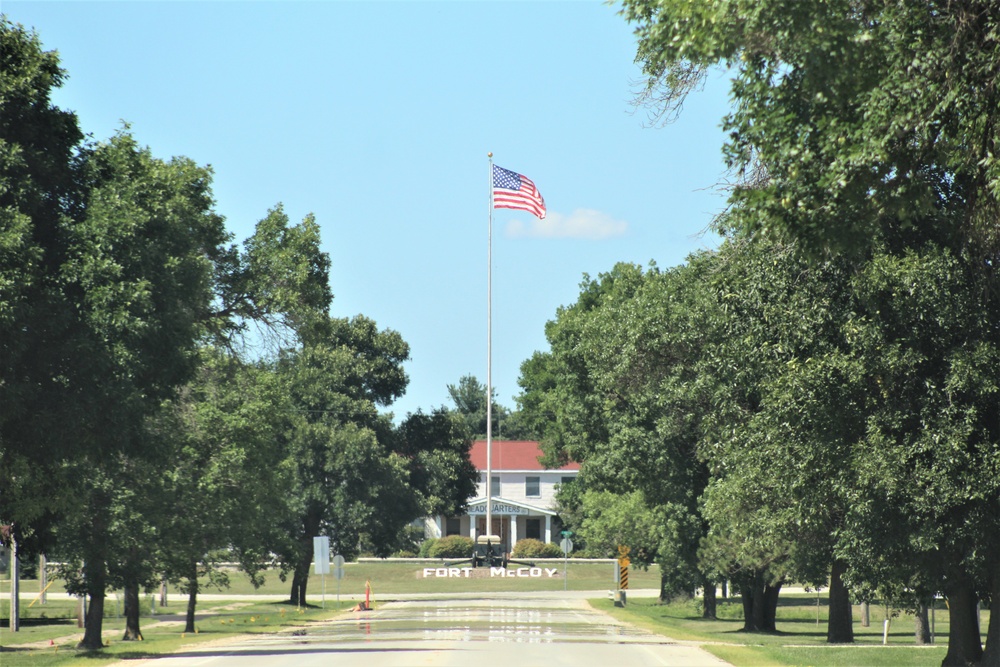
<point>747,596</point>
<point>131,595</point>
<point>753,591</point>
<point>921,625</point>
<point>757,613</point>
<point>300,580</point>
<point>991,655</point>
<point>725,589</point>
<point>95,574</point>
<point>93,629</point>
<point>840,626</point>
<point>300,577</point>
<point>964,647</point>
<point>192,604</point>
<point>709,607</point>
<point>771,607</point>
<point>866,614</point>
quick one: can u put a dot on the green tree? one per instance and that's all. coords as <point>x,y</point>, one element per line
<point>139,266</point>
<point>777,494</point>
<point>346,478</point>
<point>437,446</point>
<point>846,116</point>
<point>469,397</point>
<point>276,290</point>
<point>227,477</point>
<point>932,436</point>
<point>872,128</point>
<point>38,186</point>
<point>622,399</point>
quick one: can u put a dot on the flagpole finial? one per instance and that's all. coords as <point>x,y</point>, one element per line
<point>490,154</point>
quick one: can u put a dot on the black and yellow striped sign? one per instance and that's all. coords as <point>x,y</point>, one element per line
<point>623,563</point>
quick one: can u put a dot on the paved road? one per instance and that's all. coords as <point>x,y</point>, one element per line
<point>470,632</point>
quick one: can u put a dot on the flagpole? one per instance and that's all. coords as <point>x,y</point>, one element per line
<point>489,361</point>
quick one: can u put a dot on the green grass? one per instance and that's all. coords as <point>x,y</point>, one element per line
<point>161,634</point>
<point>799,640</point>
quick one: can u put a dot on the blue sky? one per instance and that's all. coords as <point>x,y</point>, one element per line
<point>378,116</point>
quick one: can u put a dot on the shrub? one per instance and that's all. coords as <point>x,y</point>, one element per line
<point>453,546</point>
<point>425,547</point>
<point>532,548</point>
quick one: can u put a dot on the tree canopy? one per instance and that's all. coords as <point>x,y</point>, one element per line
<point>847,116</point>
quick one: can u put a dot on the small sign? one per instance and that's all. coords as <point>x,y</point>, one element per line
<point>338,561</point>
<point>566,545</point>
<point>321,554</point>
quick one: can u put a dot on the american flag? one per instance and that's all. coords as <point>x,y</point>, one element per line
<point>511,190</point>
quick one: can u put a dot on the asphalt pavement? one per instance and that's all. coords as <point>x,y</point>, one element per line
<point>518,629</point>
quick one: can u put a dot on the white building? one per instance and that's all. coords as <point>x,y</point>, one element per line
<point>523,496</point>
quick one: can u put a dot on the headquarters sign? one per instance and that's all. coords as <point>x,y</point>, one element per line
<point>498,508</point>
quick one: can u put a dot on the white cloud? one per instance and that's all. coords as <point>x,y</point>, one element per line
<point>583,223</point>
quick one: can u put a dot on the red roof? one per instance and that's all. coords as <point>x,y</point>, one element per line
<point>512,455</point>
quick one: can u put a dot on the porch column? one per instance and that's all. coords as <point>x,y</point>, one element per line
<point>548,528</point>
<point>513,531</point>
<point>472,527</point>
<point>437,523</point>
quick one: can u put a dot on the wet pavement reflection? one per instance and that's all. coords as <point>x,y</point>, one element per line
<point>528,621</point>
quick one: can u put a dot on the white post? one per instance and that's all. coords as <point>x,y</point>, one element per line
<point>548,528</point>
<point>15,585</point>
<point>43,578</point>
<point>489,361</point>
<point>933,604</point>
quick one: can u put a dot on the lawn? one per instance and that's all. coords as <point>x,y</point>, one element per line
<point>800,640</point>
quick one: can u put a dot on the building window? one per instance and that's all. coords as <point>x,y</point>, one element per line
<point>568,480</point>
<point>533,528</point>
<point>453,526</point>
<point>494,487</point>
<point>532,487</point>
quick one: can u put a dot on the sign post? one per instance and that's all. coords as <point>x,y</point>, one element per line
<point>321,558</point>
<point>566,545</point>
<point>338,574</point>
